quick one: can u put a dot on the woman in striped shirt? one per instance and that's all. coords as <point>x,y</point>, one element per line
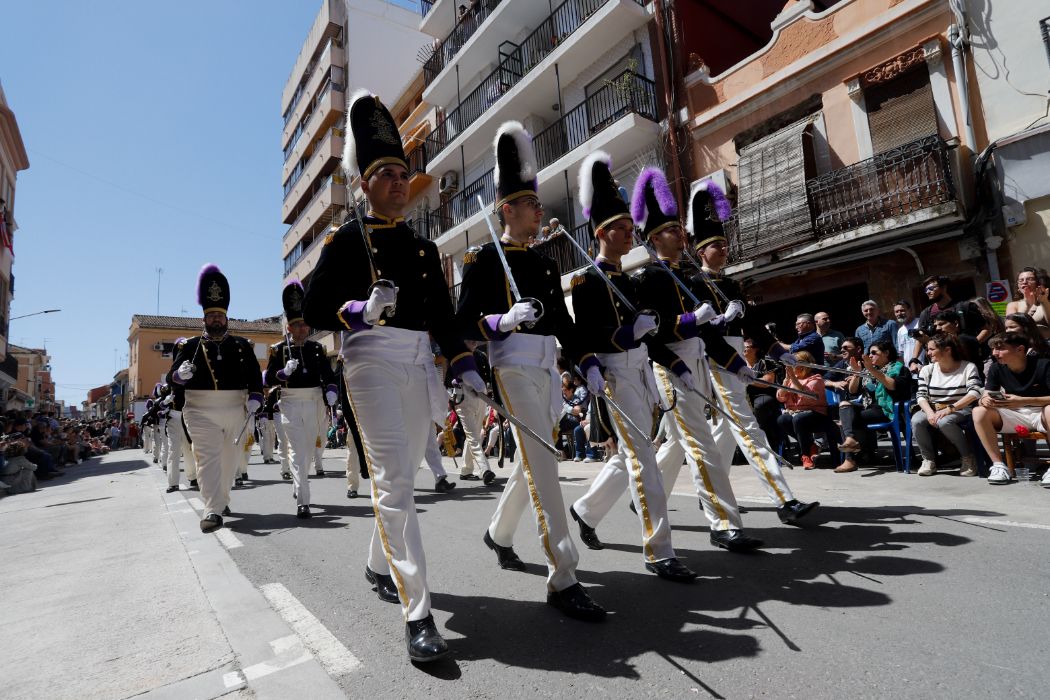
<point>948,387</point>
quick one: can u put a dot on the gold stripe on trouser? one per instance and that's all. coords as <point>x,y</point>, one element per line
<point>537,505</point>
<point>693,448</point>
<point>756,459</point>
<point>636,474</point>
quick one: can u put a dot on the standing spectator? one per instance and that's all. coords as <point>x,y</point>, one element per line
<point>1017,397</point>
<point>1023,323</point>
<point>890,382</point>
<point>948,386</point>
<point>808,339</point>
<point>875,328</point>
<point>1032,284</point>
<point>831,337</point>
<point>803,415</point>
<point>993,325</point>
<point>936,288</point>
<point>908,346</point>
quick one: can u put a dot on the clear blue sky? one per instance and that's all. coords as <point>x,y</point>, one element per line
<point>116,99</point>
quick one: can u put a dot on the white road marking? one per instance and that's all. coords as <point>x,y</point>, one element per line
<point>228,539</point>
<point>288,651</point>
<point>334,657</point>
<point>1006,523</point>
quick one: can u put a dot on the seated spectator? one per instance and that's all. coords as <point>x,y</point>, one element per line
<point>889,382</point>
<point>831,337</point>
<point>852,350</point>
<point>1023,323</point>
<point>875,328</point>
<point>17,472</point>
<point>763,399</point>
<point>948,386</point>
<point>803,415</point>
<point>1032,284</point>
<point>950,323</point>
<point>808,339</point>
<point>1016,399</point>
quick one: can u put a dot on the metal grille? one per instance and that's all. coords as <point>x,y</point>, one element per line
<point>901,110</point>
<point>911,177</point>
<point>565,254</point>
<point>465,28</point>
<point>1044,27</point>
<point>773,211</point>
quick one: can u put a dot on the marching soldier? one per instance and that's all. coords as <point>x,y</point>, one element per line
<point>176,433</point>
<point>273,402</point>
<point>383,286</point>
<point>267,434</point>
<point>522,353</point>
<point>726,296</point>
<point>147,421</point>
<point>471,411</point>
<point>220,376</point>
<point>623,342</point>
<point>300,367</point>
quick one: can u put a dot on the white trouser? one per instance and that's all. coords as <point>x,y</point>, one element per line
<point>392,407</point>
<point>266,434</point>
<point>471,414</point>
<point>147,438</point>
<point>689,435</point>
<point>244,449</point>
<point>282,449</point>
<point>321,439</point>
<point>299,416</point>
<point>214,418</point>
<point>733,395</point>
<point>353,465</point>
<point>174,454</point>
<point>635,460</point>
<point>160,439</point>
<point>187,453</point>
<point>526,394</point>
<point>432,456</point>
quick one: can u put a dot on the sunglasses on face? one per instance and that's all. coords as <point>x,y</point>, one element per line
<point>932,287</point>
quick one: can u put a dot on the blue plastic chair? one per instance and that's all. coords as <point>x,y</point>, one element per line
<point>900,422</point>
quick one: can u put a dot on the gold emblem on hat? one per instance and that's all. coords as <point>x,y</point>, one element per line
<point>214,292</point>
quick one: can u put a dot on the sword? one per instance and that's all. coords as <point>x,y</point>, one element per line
<point>824,368</point>
<point>515,294</point>
<point>616,407</point>
<point>515,422</point>
<point>667,268</point>
<point>389,311</point>
<point>772,385</point>
<point>707,278</point>
<point>615,290</point>
<point>243,428</point>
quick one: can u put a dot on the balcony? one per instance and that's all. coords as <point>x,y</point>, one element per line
<point>908,188</point>
<point>331,55</point>
<point>418,180</point>
<point>328,107</point>
<point>564,254</point>
<point>327,152</point>
<point>555,40</point>
<point>328,23</point>
<point>465,28</point>
<point>326,195</point>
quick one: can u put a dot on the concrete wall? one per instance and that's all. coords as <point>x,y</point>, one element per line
<point>381,47</point>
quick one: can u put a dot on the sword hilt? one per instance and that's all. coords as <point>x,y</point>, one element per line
<point>387,284</point>
<point>538,306</point>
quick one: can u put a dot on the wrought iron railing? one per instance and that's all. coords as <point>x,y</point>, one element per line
<point>905,179</point>
<point>465,28</point>
<point>425,6</point>
<point>515,64</point>
<point>461,206</point>
<point>453,291</point>
<point>564,254</point>
<point>626,94</point>
<point>417,160</point>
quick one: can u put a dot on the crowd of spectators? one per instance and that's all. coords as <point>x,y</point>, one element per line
<point>37,447</point>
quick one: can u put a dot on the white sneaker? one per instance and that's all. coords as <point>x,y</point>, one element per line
<point>928,468</point>
<point>998,475</point>
<point>968,466</point>
<point>1046,480</point>
<point>589,459</point>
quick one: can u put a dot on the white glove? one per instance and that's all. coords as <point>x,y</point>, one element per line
<point>473,380</point>
<point>253,405</point>
<point>595,381</point>
<point>746,375</point>
<point>168,399</point>
<point>734,310</point>
<point>704,313</point>
<point>688,380</point>
<point>185,371</point>
<point>382,298</point>
<point>643,325</point>
<point>331,397</point>
<point>521,312</point>
<point>290,366</point>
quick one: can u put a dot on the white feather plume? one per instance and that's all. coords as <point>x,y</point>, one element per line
<point>585,183</point>
<point>349,142</point>
<point>707,185</point>
<point>526,154</point>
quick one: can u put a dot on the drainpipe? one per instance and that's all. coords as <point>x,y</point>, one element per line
<point>955,38</point>
<point>669,79</point>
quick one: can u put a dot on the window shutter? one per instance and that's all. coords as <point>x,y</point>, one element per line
<point>901,110</point>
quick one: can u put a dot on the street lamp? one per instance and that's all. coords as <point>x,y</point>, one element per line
<point>36,313</point>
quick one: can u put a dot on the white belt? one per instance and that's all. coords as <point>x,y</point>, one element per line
<point>527,350</point>
<point>400,346</point>
<point>635,359</point>
<point>301,394</point>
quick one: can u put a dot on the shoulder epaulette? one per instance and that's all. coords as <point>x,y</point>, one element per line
<point>471,255</point>
<point>578,279</point>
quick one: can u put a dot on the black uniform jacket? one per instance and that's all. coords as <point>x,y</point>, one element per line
<point>341,281</point>
<point>237,368</point>
<point>749,325</point>
<point>314,369</point>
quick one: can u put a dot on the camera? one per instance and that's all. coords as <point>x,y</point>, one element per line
<point>918,333</point>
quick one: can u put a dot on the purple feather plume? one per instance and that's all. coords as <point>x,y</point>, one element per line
<point>722,207</point>
<point>654,177</point>
<point>206,270</point>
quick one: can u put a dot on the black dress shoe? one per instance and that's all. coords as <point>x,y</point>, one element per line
<point>172,489</point>
<point>320,473</point>
<point>505,556</point>
<point>469,477</point>
<point>734,540</point>
<point>488,477</point>
<point>211,521</point>
<point>574,602</point>
<point>244,477</point>
<point>303,512</point>
<point>630,507</point>
<point>672,570</point>
<point>587,533</point>
<point>383,585</point>
<point>194,485</point>
<point>227,511</point>
<point>425,644</point>
<point>238,483</point>
<point>287,476</point>
<point>794,510</point>
<point>351,493</point>
<point>443,485</point>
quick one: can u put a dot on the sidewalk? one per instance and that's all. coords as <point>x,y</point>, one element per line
<point>111,591</point>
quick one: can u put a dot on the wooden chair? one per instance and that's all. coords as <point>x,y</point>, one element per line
<point>1013,441</point>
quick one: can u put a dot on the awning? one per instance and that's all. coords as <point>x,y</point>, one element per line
<point>1022,162</point>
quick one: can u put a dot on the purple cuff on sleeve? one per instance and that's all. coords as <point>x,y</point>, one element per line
<point>589,361</point>
<point>679,367</point>
<point>490,327</point>
<point>718,323</point>
<point>777,351</point>
<point>736,364</point>
<point>281,376</point>
<point>256,396</point>
<point>353,316</point>
<point>175,378</point>
<point>331,388</point>
<point>463,363</point>
<point>686,325</point>
<point>624,337</point>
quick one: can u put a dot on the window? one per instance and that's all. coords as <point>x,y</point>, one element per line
<point>901,109</point>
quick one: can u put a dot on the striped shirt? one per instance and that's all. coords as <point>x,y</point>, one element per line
<point>941,388</point>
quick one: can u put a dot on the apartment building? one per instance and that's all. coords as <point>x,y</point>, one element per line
<point>13,159</point>
<point>845,132</point>
<point>349,46</point>
<point>35,388</point>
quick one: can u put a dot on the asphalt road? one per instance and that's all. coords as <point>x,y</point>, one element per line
<point>901,586</point>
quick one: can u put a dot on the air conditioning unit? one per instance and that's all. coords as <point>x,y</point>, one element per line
<point>449,182</point>
<point>159,347</point>
<point>719,177</point>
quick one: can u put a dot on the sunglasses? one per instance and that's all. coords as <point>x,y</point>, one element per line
<point>932,287</point>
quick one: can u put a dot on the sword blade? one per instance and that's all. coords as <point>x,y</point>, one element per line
<point>725,414</point>
<point>517,423</point>
<point>601,273</point>
<point>502,255</point>
<point>627,419</point>
<point>772,385</point>
<point>668,270</point>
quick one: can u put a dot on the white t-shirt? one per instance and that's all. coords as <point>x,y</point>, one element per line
<point>905,343</point>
